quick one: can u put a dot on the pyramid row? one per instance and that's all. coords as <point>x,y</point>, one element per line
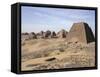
<point>79,32</point>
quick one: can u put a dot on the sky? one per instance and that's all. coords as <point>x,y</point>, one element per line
<point>36,19</point>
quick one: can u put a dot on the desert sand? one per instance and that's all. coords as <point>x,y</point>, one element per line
<point>39,54</point>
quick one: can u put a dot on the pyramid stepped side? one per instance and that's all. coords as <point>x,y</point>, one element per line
<point>80,32</point>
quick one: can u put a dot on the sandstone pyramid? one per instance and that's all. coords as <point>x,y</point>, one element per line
<point>25,36</point>
<point>47,34</point>
<point>53,34</point>
<point>80,32</point>
<point>62,34</point>
<point>40,35</point>
<point>32,35</point>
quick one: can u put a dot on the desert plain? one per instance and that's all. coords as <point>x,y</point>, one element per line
<point>58,52</point>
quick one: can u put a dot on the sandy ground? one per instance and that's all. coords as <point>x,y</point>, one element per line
<point>39,54</point>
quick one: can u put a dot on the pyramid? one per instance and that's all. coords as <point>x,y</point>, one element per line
<point>62,34</point>
<point>80,32</point>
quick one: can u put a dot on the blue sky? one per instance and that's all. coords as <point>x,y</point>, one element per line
<point>35,19</point>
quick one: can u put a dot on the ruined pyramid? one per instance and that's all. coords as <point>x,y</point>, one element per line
<point>80,32</point>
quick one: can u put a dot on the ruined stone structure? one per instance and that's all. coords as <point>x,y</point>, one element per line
<point>25,36</point>
<point>32,35</point>
<point>40,35</point>
<point>47,34</point>
<point>62,34</point>
<point>53,34</point>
